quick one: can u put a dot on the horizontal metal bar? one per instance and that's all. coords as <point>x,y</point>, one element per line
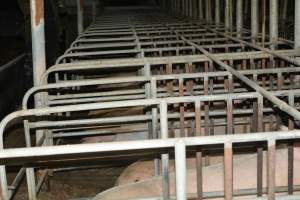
<point>11,156</point>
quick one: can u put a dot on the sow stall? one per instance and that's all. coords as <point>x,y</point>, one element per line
<point>179,85</point>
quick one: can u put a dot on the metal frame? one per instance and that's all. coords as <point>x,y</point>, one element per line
<point>163,51</point>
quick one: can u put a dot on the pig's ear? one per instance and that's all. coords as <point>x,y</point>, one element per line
<point>297,151</point>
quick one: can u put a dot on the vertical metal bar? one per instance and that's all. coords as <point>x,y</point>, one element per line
<point>259,124</point>
<point>291,103</point>
<point>200,9</point>
<point>239,16</point>
<point>148,95</point>
<point>180,169</point>
<point>271,169</point>
<point>230,16</point>
<point>263,24</point>
<point>290,168</point>
<point>31,184</point>
<point>230,84</point>
<point>38,39</point>
<point>3,183</point>
<point>291,151</point>
<point>273,23</point>
<point>94,9</point>
<point>211,91</point>
<point>206,107</point>
<point>169,70</point>
<point>229,116</point>
<point>183,7</point>
<point>228,171</point>
<point>297,24</point>
<point>208,11</point>
<point>260,106</point>
<point>217,12</point>
<point>191,8</point>
<point>186,8</point>
<point>254,20</point>
<point>280,81</point>
<point>154,123</point>
<point>80,23</point>
<point>199,151</point>
<point>154,109</point>
<point>227,15</point>
<point>39,67</point>
<point>165,176</point>
<point>198,117</point>
<point>285,10</point>
<point>30,176</point>
<point>181,108</point>
<point>194,8</point>
<point>163,110</point>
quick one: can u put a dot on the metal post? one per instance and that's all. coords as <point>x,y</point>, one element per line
<point>217,12</point>
<point>154,121</point>
<point>254,20</point>
<point>273,23</point>
<point>173,3</point>
<point>80,23</point>
<point>297,28</point>
<point>3,184</point>
<point>195,9</point>
<point>38,39</point>
<point>200,9</point>
<point>163,110</point>
<point>190,8</point>
<point>297,24</point>
<point>208,11</point>
<point>284,11</point>
<point>94,7</point>
<point>228,171</point>
<point>182,6</point>
<point>186,8</point>
<point>180,170</point>
<point>39,67</point>
<point>230,15</point>
<point>271,169</point>
<point>227,15</point>
<point>239,17</point>
<point>38,49</point>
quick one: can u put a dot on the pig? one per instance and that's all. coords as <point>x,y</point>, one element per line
<point>244,177</point>
<point>143,170</point>
<point>117,112</point>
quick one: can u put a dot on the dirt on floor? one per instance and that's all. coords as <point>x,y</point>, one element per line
<point>75,184</point>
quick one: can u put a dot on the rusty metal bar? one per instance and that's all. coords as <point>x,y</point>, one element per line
<point>271,169</point>
<point>199,152</point>
<point>228,171</point>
